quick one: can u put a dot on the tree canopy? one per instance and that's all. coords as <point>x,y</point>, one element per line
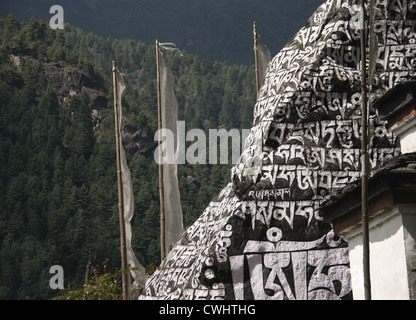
<point>58,184</point>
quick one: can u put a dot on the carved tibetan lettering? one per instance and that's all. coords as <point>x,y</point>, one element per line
<point>280,272</point>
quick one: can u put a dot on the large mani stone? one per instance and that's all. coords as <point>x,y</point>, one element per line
<point>263,236</point>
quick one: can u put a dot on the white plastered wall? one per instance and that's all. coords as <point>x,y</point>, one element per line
<point>388,271</point>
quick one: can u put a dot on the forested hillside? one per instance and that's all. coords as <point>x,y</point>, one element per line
<point>58,184</point>
<point>219,30</point>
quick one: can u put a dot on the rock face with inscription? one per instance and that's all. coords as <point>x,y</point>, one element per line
<point>262,237</point>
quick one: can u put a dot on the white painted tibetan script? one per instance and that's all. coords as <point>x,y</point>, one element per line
<point>263,237</point>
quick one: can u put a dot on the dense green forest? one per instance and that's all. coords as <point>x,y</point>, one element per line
<point>58,184</point>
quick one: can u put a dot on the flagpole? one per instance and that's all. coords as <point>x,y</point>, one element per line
<point>256,59</point>
<point>161,186</point>
<point>364,159</point>
<point>120,193</point>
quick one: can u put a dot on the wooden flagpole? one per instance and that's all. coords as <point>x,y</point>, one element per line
<point>120,193</point>
<point>256,59</point>
<point>364,158</point>
<point>161,186</point>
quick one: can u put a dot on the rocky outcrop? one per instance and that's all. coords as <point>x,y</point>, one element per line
<point>263,237</point>
<point>68,82</point>
<point>137,141</point>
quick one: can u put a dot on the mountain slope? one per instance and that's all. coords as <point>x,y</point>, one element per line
<point>58,184</point>
<point>215,29</point>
